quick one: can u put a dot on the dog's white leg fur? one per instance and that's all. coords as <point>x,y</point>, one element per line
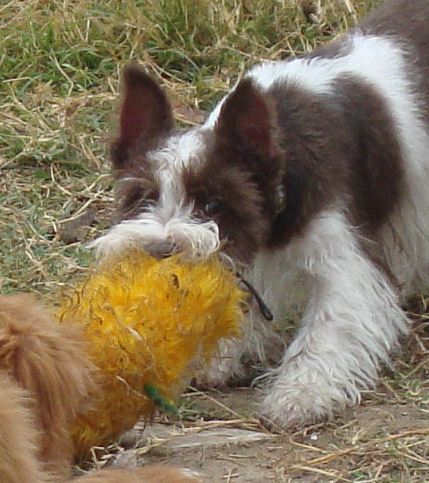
<point>257,338</point>
<point>350,326</point>
<point>225,366</point>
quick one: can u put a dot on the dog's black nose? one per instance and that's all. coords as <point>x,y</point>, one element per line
<point>161,249</point>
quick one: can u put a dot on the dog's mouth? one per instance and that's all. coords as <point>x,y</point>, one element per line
<point>263,307</point>
<point>165,250</point>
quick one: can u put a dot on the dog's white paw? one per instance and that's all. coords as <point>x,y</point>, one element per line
<point>218,374</point>
<point>297,401</point>
<point>295,407</point>
<point>225,366</point>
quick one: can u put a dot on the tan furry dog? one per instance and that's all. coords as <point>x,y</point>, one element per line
<point>150,474</point>
<point>48,361</point>
<point>18,438</point>
<point>45,381</point>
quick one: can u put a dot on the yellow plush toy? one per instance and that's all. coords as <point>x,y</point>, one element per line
<point>150,324</point>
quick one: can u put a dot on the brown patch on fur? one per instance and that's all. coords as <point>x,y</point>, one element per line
<point>340,150</point>
<point>376,169</point>
<point>133,193</point>
<point>47,360</point>
<point>316,148</point>
<point>237,184</point>
<point>218,195</point>
<point>404,20</point>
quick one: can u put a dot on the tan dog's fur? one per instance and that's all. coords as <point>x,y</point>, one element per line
<point>45,381</point>
<point>18,438</point>
<point>48,361</point>
<point>150,474</point>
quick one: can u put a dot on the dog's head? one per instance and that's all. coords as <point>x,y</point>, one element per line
<point>215,185</point>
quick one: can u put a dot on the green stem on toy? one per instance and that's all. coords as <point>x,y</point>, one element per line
<point>154,395</point>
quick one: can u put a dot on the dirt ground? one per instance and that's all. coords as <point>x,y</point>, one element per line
<point>220,437</point>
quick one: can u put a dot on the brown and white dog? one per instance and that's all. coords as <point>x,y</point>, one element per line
<point>312,174</point>
<point>45,381</point>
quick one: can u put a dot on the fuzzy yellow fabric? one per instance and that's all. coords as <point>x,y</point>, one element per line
<point>149,322</point>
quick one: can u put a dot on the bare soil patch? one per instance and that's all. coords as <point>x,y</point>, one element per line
<point>385,439</point>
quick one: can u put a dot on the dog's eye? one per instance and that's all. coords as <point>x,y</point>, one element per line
<point>212,207</point>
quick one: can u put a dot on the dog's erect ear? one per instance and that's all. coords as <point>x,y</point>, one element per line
<point>145,114</point>
<point>248,121</point>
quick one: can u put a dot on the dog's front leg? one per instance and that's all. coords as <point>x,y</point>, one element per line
<point>227,365</point>
<point>351,324</point>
